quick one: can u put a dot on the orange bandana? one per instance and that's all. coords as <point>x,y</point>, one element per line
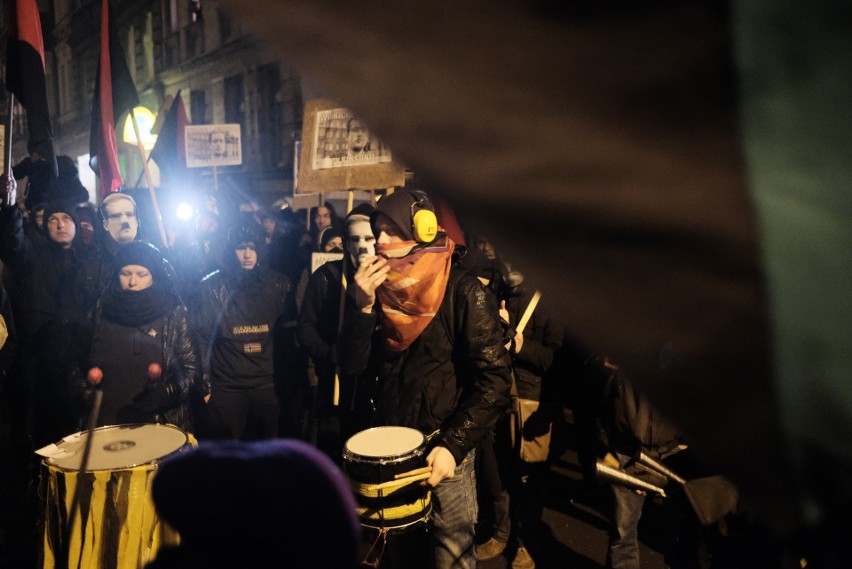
<point>414,289</point>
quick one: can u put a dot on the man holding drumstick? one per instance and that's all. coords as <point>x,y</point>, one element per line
<point>438,356</point>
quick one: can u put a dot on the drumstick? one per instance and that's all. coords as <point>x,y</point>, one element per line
<point>414,472</point>
<point>400,482</point>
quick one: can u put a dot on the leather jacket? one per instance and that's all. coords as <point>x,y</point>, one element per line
<point>454,377</point>
<point>169,398</point>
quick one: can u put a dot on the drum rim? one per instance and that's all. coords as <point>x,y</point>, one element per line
<point>387,458</point>
<point>49,461</point>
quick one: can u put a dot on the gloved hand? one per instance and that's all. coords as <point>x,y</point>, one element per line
<point>8,191</point>
<point>156,396</point>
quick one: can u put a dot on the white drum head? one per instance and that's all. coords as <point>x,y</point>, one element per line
<point>120,446</point>
<point>384,441</point>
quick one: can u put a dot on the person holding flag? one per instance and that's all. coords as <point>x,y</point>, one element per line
<point>25,80</point>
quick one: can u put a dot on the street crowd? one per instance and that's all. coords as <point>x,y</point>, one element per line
<point>228,334</point>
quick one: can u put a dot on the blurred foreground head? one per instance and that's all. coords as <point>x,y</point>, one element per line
<point>274,503</point>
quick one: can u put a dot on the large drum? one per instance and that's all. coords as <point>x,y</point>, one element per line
<point>116,524</point>
<point>385,467</point>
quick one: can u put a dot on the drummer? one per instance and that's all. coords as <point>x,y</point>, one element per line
<point>443,367</point>
<point>142,354</point>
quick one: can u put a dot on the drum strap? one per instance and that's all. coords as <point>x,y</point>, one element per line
<point>377,559</point>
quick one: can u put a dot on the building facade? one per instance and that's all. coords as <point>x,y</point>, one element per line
<point>191,46</point>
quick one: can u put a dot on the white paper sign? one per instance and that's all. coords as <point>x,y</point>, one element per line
<point>213,145</point>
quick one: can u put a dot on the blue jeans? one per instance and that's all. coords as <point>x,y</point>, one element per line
<point>624,541</point>
<point>453,519</point>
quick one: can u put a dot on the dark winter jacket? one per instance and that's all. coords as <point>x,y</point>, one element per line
<point>454,377</point>
<point>167,400</point>
<point>318,321</point>
<point>630,422</point>
<point>52,285</point>
<point>542,340</point>
<point>238,319</point>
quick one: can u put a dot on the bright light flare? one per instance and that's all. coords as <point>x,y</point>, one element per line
<point>185,211</point>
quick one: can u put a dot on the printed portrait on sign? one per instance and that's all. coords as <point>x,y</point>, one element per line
<point>213,145</point>
<point>342,140</point>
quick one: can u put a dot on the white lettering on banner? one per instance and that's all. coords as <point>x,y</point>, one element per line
<point>259,329</point>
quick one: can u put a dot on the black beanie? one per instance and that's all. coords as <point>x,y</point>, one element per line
<point>244,234</point>
<point>397,207</point>
<point>145,255</point>
<point>268,503</point>
<point>61,207</point>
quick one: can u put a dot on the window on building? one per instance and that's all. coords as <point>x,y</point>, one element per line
<point>269,115</point>
<point>174,22</point>
<point>198,107</point>
<point>194,10</point>
<point>235,105</point>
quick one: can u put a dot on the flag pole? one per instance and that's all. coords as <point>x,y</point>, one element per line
<point>350,203</point>
<point>7,151</point>
<point>148,180</point>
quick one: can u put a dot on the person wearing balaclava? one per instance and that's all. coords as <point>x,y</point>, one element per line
<point>143,356</point>
<point>238,323</point>
<point>439,359</point>
<point>330,240</point>
<point>53,287</point>
<point>319,322</point>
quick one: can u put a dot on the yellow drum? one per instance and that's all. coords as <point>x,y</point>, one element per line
<point>116,525</point>
<point>385,467</point>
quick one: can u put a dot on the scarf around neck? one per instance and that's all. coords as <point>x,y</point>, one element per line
<point>135,308</point>
<point>414,289</point>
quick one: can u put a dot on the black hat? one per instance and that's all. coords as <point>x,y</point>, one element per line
<point>265,503</point>
<point>364,210</point>
<point>61,207</point>
<point>397,207</point>
<point>244,234</point>
<point>145,255</point>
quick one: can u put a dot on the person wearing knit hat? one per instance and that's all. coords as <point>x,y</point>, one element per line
<point>51,273</point>
<point>276,503</point>
<point>61,224</point>
<point>431,315</point>
<point>240,316</point>
<point>142,354</point>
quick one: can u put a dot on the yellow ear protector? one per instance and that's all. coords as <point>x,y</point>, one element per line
<point>424,222</point>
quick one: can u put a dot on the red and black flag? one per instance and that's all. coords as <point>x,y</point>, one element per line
<point>25,75</point>
<point>115,94</point>
<point>169,151</point>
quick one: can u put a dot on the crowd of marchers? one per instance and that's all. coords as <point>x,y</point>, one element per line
<point>232,333</point>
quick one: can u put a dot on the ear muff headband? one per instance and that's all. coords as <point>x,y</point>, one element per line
<point>424,222</point>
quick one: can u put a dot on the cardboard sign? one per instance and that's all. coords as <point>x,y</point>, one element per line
<point>340,153</point>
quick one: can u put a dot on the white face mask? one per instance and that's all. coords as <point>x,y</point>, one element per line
<point>361,242</point>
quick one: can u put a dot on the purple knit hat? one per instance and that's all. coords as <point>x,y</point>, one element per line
<point>273,503</point>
